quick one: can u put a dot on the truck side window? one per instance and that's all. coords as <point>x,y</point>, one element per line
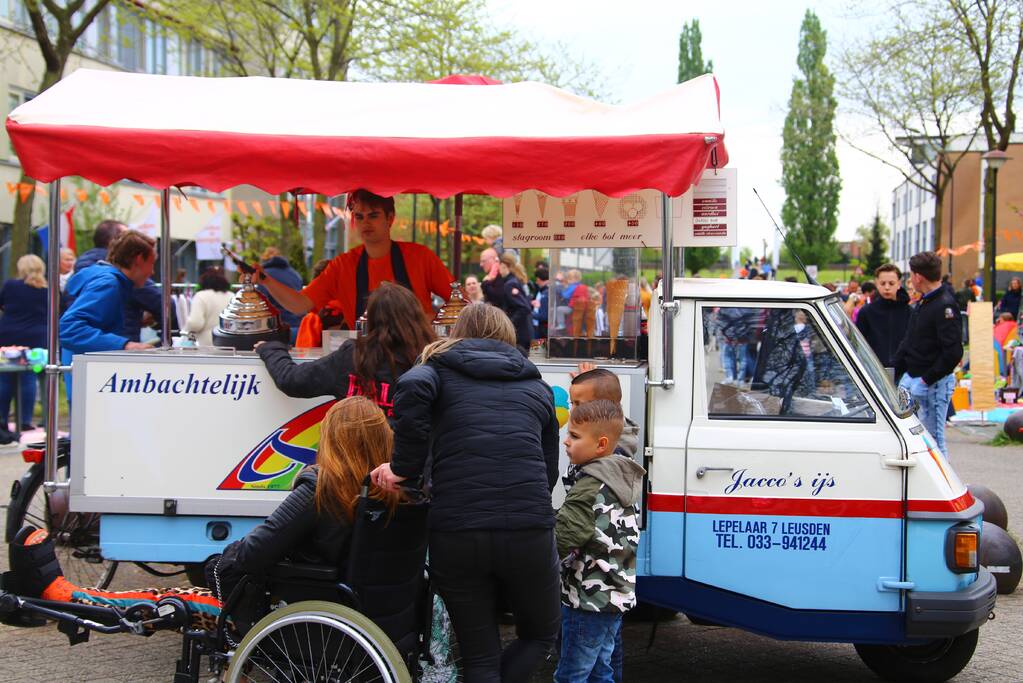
<point>774,362</point>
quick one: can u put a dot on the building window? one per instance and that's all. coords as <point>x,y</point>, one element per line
<point>15,98</point>
<point>131,43</point>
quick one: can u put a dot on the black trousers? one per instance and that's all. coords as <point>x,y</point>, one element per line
<point>475,570</point>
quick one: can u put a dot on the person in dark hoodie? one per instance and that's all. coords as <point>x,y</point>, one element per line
<point>516,301</point>
<point>480,413</point>
<point>397,330</point>
<point>277,267</point>
<point>141,300</point>
<point>597,533</point>
<point>883,321</point>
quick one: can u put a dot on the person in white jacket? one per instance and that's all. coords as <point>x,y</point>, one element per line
<point>207,305</point>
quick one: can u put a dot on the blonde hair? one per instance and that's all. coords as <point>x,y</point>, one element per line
<point>474,322</point>
<point>32,270</point>
<point>508,259</point>
<point>354,439</point>
<point>492,232</point>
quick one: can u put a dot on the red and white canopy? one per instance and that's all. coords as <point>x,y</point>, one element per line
<point>329,137</point>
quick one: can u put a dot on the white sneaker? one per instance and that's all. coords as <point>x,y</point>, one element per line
<point>11,448</point>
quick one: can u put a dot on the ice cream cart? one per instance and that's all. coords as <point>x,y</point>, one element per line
<point>799,498</point>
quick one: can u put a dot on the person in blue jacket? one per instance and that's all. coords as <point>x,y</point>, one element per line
<point>145,299</point>
<point>279,269</point>
<point>95,320</point>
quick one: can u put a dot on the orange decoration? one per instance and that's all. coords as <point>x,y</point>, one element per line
<point>24,190</point>
<point>104,196</point>
<point>82,195</point>
<point>338,211</point>
<point>286,209</point>
<point>274,207</point>
<point>242,208</point>
<point>177,203</point>
<point>41,189</point>
<point>140,199</point>
<point>12,188</point>
<point>257,207</point>
<point>302,209</point>
<point>63,195</point>
<point>210,206</point>
<point>194,203</point>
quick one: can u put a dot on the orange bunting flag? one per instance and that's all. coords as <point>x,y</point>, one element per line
<point>177,203</point>
<point>81,195</point>
<point>338,211</point>
<point>242,208</point>
<point>478,240</point>
<point>1006,235</point>
<point>41,189</point>
<point>211,206</point>
<point>258,208</point>
<point>104,196</point>
<point>444,229</point>
<point>24,190</point>
<point>1019,234</point>
<point>140,199</point>
<point>274,207</point>
<point>302,209</point>
<point>194,203</point>
<point>12,188</point>
<point>63,195</point>
<point>286,209</point>
<point>325,208</point>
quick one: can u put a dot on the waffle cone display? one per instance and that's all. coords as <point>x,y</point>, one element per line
<point>617,292</point>
<point>577,320</point>
<point>591,319</point>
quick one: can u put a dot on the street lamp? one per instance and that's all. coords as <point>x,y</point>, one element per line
<point>994,159</point>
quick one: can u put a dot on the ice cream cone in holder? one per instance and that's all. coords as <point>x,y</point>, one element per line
<point>617,293</point>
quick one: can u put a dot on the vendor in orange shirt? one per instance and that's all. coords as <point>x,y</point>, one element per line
<point>351,276</point>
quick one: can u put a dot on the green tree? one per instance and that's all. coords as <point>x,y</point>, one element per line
<point>91,206</point>
<point>873,241</point>
<point>691,65</point>
<point>56,28</point>
<point>810,173</point>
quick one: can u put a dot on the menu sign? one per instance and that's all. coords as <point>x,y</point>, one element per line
<point>704,216</point>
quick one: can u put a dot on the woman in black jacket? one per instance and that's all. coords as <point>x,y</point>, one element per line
<point>516,302</point>
<point>480,414</point>
<point>313,524</point>
<point>396,332</point>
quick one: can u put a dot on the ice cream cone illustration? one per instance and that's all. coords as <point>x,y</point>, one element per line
<point>599,203</point>
<point>632,207</point>
<point>568,204</point>
<point>617,292</point>
<point>541,203</point>
<point>517,200</point>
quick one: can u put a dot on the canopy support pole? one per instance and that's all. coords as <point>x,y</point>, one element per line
<point>456,251</point>
<point>669,307</point>
<point>53,369</point>
<point>165,268</point>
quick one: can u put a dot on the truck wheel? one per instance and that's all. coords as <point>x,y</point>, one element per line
<point>932,662</point>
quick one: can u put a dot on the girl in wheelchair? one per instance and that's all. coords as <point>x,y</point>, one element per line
<point>312,525</point>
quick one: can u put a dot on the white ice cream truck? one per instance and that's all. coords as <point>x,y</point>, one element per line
<point>791,490</point>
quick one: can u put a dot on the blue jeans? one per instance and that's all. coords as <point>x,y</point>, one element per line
<point>933,400</point>
<point>29,385</point>
<point>587,642</point>
<point>733,360</point>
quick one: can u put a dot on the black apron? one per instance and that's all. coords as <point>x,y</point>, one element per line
<point>362,277</point>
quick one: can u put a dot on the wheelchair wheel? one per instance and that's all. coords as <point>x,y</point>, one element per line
<point>75,534</point>
<point>316,641</point>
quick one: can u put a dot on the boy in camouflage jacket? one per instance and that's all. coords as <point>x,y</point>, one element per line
<point>597,532</point>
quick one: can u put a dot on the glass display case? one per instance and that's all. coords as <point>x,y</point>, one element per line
<point>594,310</point>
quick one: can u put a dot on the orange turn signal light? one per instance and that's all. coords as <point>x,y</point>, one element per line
<point>32,455</point>
<point>965,549</point>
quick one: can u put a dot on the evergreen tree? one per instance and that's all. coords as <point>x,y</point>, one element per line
<point>878,253</point>
<point>810,173</point>
<point>691,65</point>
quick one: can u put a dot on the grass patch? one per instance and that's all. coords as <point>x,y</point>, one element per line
<point>1001,439</point>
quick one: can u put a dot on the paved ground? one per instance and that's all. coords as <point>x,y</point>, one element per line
<point>681,651</point>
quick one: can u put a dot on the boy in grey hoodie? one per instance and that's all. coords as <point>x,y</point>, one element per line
<point>597,531</point>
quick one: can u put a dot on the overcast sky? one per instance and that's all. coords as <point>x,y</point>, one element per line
<point>753,46</point>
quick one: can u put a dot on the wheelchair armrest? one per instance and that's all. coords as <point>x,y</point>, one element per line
<point>309,572</point>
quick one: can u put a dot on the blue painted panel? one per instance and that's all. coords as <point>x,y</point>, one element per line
<point>665,534</point>
<point>160,538</point>
<point>834,566</point>
<point>925,556</point>
<point>761,617</point>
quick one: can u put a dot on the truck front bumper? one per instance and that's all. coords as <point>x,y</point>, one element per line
<point>945,615</point>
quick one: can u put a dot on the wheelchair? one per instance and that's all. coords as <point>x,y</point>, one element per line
<point>366,622</point>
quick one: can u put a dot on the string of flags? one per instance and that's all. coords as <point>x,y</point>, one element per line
<point>260,208</point>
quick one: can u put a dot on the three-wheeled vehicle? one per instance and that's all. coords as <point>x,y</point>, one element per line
<point>790,490</point>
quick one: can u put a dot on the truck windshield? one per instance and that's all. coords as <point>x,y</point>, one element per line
<point>877,373</point>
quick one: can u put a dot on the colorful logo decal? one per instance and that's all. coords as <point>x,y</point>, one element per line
<point>561,405</point>
<point>275,462</point>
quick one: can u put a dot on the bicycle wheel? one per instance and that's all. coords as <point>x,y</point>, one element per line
<point>316,641</point>
<point>75,534</point>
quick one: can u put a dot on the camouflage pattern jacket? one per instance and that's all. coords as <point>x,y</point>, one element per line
<point>597,532</point>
